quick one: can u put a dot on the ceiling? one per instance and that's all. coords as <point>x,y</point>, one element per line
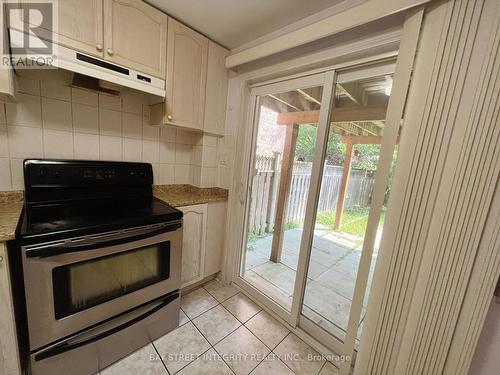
<point>235,22</point>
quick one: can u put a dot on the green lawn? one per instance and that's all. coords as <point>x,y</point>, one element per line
<point>353,220</point>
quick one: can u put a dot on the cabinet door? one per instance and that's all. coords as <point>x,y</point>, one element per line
<point>216,231</point>
<point>193,243</point>
<point>186,76</point>
<point>79,26</point>
<point>7,82</point>
<point>135,36</point>
<point>9,356</point>
<point>216,93</point>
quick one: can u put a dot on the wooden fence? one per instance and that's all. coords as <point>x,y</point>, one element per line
<point>265,186</point>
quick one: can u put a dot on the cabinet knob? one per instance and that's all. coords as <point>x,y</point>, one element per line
<point>169,117</point>
<point>110,52</point>
<point>98,47</point>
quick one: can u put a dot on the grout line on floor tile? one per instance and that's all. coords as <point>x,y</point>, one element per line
<point>224,336</point>
<point>222,357</point>
<point>277,355</point>
<point>324,364</point>
<point>159,355</point>
<point>200,355</point>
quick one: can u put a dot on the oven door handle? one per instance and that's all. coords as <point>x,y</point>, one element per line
<point>68,345</point>
<point>63,248</point>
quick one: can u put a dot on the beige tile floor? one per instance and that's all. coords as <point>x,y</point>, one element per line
<point>221,331</point>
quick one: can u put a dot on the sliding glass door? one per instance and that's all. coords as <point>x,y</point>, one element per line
<point>343,203</point>
<point>312,172</point>
<point>280,175</point>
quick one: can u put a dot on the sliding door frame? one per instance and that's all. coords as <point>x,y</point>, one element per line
<point>326,81</point>
<point>249,90</point>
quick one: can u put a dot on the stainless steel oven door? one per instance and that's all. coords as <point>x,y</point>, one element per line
<point>73,284</point>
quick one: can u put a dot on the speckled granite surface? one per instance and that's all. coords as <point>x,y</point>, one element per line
<point>186,195</point>
<point>11,204</point>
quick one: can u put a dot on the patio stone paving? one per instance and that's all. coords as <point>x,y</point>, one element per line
<point>331,276</point>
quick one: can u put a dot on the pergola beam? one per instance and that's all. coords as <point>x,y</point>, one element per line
<point>340,114</point>
<point>365,140</point>
<point>284,102</point>
<point>308,97</point>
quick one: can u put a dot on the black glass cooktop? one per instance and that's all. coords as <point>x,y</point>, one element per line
<point>49,222</point>
<point>72,198</point>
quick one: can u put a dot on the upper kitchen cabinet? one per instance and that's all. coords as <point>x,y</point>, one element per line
<point>186,79</point>
<point>216,93</point>
<point>135,36</point>
<point>80,25</point>
<point>7,85</point>
<point>7,81</point>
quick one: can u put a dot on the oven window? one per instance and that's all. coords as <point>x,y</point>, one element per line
<point>82,285</point>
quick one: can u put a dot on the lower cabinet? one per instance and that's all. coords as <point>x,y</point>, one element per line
<point>203,241</point>
<point>9,356</point>
<point>193,243</point>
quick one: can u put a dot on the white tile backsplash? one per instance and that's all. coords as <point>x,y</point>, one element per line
<point>56,114</point>
<point>167,134</point>
<point>208,177</point>
<point>132,103</point>
<point>58,144</point>
<point>150,132</point>
<point>209,157</point>
<point>27,111</point>
<point>110,102</point>
<point>16,172</point>
<point>86,146</point>
<point>82,96</point>
<point>167,174</point>
<point>132,149</point>
<point>56,90</point>
<point>110,148</point>
<point>182,174</point>
<point>167,152</point>
<point>3,118</point>
<point>110,122</point>
<point>5,178</point>
<point>85,118</point>
<point>132,125</point>
<point>150,151</point>
<point>182,154</point>
<point>53,120</point>
<point>4,142</point>
<point>28,86</point>
<point>25,142</point>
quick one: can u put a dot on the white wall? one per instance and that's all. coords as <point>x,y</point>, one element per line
<point>53,120</point>
<point>486,360</point>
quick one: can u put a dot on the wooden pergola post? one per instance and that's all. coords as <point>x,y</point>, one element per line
<point>284,190</point>
<point>343,184</point>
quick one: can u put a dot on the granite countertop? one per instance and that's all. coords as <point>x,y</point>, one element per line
<point>11,203</point>
<point>187,195</point>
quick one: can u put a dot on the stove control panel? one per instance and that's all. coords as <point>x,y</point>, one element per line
<point>56,173</point>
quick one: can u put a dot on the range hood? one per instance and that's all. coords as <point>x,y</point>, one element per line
<point>99,69</point>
